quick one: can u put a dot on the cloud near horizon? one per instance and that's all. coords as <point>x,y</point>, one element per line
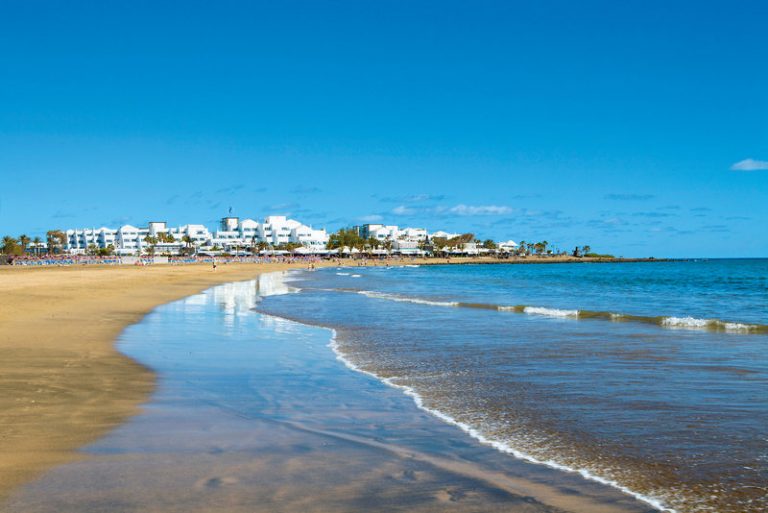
<point>402,210</point>
<point>750,165</point>
<point>479,210</point>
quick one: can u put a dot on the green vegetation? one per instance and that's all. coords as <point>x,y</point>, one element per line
<point>167,238</point>
<point>97,251</point>
<point>55,240</point>
<point>345,237</point>
<point>11,246</point>
<point>443,245</point>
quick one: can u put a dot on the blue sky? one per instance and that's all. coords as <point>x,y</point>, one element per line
<point>640,128</point>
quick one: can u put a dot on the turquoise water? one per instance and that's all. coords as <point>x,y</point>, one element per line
<point>650,376</point>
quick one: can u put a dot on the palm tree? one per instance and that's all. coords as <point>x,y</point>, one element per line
<point>24,241</point>
<point>37,241</point>
<point>152,241</point>
<point>55,240</point>
<point>10,245</point>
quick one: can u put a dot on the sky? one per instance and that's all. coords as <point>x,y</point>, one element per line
<point>639,128</point>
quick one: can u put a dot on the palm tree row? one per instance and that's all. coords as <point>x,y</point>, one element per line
<point>21,244</point>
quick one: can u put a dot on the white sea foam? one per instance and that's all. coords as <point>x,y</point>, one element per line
<point>693,323</point>
<point>411,265</point>
<point>356,276</point>
<point>342,274</point>
<point>404,299</point>
<point>737,326</point>
<point>685,322</point>
<point>550,312</point>
<point>496,444</point>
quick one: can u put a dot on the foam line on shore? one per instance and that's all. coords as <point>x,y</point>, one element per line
<point>496,444</point>
<point>471,431</point>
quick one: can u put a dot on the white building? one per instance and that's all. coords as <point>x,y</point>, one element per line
<point>509,246</point>
<point>233,235</point>
<point>382,232</point>
<point>379,232</point>
<point>444,235</point>
<point>407,247</point>
<point>89,237</point>
<point>413,234</point>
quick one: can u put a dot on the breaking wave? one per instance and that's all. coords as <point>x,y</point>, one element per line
<point>669,322</point>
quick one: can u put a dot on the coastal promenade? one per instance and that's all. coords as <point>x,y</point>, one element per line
<point>62,382</point>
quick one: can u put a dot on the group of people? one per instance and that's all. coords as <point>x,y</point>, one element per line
<point>40,260</point>
<point>62,259</point>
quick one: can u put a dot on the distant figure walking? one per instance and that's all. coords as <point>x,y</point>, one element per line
<point>214,265</point>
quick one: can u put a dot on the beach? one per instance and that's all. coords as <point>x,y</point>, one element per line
<point>252,412</point>
<point>62,382</point>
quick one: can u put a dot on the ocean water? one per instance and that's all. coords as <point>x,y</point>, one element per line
<point>651,377</point>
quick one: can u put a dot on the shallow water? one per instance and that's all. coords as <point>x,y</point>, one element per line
<point>651,375</point>
<point>255,413</point>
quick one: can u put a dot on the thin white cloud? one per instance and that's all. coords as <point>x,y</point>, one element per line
<point>479,210</point>
<point>373,218</point>
<point>750,165</point>
<point>402,210</point>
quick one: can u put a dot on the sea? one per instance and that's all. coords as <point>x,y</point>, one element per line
<point>650,377</point>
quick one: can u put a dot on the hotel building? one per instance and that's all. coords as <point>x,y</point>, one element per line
<point>232,235</point>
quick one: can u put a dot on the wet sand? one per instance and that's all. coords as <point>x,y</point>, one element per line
<point>62,382</point>
<point>254,413</point>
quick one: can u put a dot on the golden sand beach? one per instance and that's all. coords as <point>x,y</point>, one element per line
<point>62,382</point>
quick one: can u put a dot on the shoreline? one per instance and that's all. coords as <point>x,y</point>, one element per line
<point>426,464</point>
<point>64,383</point>
<point>499,446</point>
